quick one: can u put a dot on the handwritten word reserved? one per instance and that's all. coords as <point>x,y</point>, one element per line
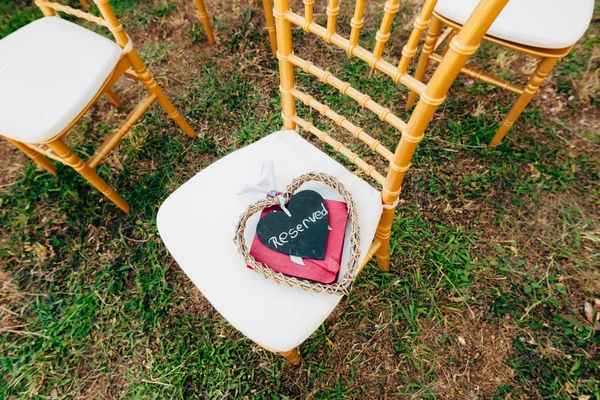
<point>303,228</point>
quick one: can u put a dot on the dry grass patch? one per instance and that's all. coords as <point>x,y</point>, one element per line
<point>468,354</point>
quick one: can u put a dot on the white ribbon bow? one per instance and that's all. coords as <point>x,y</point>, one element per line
<point>267,174</point>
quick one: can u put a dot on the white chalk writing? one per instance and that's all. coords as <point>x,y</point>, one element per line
<point>292,233</point>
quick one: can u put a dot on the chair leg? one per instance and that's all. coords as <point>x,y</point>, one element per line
<point>203,15</point>
<point>113,98</point>
<point>84,4</point>
<point>146,78</point>
<point>292,356</point>
<point>383,254</point>
<point>63,151</point>
<point>432,34</point>
<point>268,7</point>
<point>383,234</point>
<point>36,157</point>
<point>450,37</point>
<point>535,80</point>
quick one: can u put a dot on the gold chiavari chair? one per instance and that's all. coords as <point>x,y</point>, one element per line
<point>52,71</point>
<point>542,29</point>
<point>197,222</point>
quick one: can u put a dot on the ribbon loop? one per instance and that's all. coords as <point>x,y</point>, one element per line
<point>267,175</point>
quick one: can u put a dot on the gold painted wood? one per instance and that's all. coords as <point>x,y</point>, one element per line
<point>204,18</point>
<point>430,41</point>
<point>308,12</point>
<point>84,4</point>
<point>140,69</point>
<point>332,12</point>
<point>484,76</point>
<point>48,5</point>
<point>115,137</point>
<point>383,34</point>
<point>113,98</point>
<point>460,49</point>
<point>548,57</point>
<point>543,69</point>
<point>432,94</point>
<point>360,52</point>
<point>152,86</point>
<point>442,38</point>
<point>131,65</point>
<point>343,122</point>
<point>356,23</point>
<point>44,150</point>
<point>270,21</point>
<point>370,254</point>
<point>340,148</point>
<point>364,100</point>
<point>292,356</point>
<point>421,22</point>
<point>35,156</point>
<point>537,52</point>
<point>63,151</point>
<point>286,68</point>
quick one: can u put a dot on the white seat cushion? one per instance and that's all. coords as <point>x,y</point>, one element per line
<point>549,24</point>
<point>49,72</point>
<point>197,224</point>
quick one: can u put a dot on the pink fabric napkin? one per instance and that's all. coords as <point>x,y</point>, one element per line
<point>324,271</point>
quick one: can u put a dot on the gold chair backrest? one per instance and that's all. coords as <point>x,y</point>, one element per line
<point>432,94</point>
<point>108,20</point>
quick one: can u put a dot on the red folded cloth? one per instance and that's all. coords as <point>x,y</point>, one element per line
<point>324,271</point>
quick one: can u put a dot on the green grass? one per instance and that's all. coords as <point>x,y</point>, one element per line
<point>494,252</point>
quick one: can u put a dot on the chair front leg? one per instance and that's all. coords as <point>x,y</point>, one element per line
<point>542,70</point>
<point>36,157</point>
<point>383,234</point>
<point>430,41</point>
<point>270,21</point>
<point>203,16</point>
<point>292,356</point>
<point>70,159</point>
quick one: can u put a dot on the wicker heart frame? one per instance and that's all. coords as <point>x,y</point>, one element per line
<point>339,288</point>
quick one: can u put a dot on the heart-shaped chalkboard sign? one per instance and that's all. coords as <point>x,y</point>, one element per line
<point>304,234</point>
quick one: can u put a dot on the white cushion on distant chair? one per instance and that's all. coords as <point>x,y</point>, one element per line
<point>549,24</point>
<point>197,224</point>
<point>50,70</point>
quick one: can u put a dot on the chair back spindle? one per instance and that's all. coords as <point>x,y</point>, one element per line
<point>332,13</point>
<point>383,34</point>
<point>108,20</point>
<point>308,13</point>
<point>421,23</point>
<point>356,23</point>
